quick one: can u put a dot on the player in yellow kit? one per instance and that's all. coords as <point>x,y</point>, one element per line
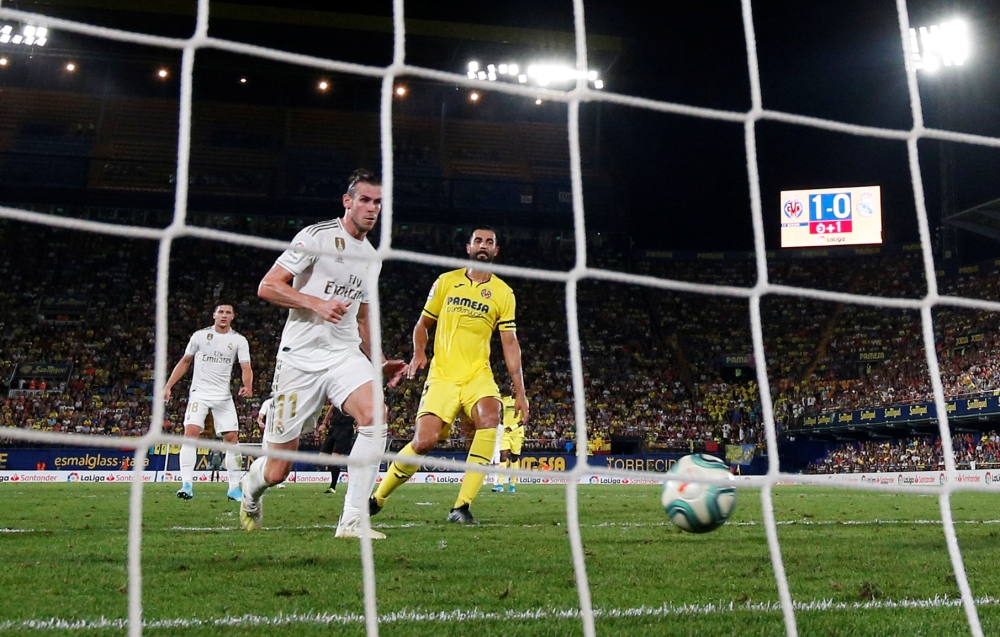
<point>464,307</point>
<point>511,441</point>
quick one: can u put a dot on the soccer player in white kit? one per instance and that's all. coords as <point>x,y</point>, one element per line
<point>324,351</point>
<point>213,351</point>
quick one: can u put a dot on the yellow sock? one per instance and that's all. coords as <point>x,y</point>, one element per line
<point>514,464</point>
<point>397,474</point>
<point>479,453</point>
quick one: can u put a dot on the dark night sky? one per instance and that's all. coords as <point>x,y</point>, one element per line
<point>684,179</point>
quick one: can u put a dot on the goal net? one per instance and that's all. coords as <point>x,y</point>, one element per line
<point>581,272</point>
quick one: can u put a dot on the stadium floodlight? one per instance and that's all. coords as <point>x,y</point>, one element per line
<point>323,84</point>
<point>30,35</point>
<point>3,61</point>
<point>472,75</point>
<point>599,84</point>
<point>401,90</point>
<point>491,68</point>
<point>474,96</point>
<point>538,102</point>
<point>513,69</point>
<point>522,78</point>
<point>502,69</point>
<point>473,66</point>
<point>481,75</point>
<point>71,67</point>
<point>243,80</point>
<point>491,77</point>
<point>162,74</point>
<point>947,44</point>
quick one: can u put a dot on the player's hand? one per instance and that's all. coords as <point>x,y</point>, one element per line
<point>393,370</point>
<point>262,418</point>
<point>331,310</point>
<point>521,407</point>
<point>166,394</point>
<point>245,392</point>
<point>418,362</point>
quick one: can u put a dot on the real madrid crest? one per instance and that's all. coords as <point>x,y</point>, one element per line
<point>209,337</point>
<point>485,293</point>
<point>339,242</point>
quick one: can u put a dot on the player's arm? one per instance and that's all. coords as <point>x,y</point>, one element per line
<point>246,391</point>
<point>181,368</point>
<point>512,356</point>
<point>276,288</point>
<point>391,369</point>
<point>421,334</point>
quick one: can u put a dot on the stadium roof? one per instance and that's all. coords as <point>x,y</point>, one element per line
<point>983,219</point>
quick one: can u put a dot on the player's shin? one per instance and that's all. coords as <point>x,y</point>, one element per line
<point>514,464</point>
<point>479,453</point>
<point>369,444</point>
<point>233,462</point>
<point>188,456</point>
<point>398,473</point>
<point>255,484</point>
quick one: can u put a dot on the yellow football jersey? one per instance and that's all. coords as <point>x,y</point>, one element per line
<point>467,313</point>
<point>510,417</point>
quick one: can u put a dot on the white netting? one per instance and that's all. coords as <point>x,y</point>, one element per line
<point>573,98</point>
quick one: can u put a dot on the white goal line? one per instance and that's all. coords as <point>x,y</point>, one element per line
<point>427,616</point>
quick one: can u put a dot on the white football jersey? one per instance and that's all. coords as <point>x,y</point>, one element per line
<point>308,342</point>
<point>214,354</point>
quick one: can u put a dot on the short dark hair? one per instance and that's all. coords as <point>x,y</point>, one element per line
<point>472,233</point>
<point>221,303</point>
<point>362,176</point>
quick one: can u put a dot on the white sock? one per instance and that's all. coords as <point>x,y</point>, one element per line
<point>188,456</point>
<point>256,485</point>
<point>233,462</point>
<point>361,478</point>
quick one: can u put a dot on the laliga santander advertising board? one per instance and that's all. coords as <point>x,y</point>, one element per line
<point>831,217</point>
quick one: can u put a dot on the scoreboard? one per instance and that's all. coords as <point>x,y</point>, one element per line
<point>831,216</point>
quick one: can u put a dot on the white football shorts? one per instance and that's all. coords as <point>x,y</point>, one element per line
<point>223,413</point>
<point>299,396</point>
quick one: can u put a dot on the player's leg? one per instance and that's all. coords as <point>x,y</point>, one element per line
<point>333,444</point>
<point>343,440</point>
<point>228,426</point>
<point>194,423</point>
<point>439,404</point>
<point>486,414</point>
<point>516,442</point>
<point>361,405</point>
<point>504,462</point>
<point>429,430</point>
<point>514,462</point>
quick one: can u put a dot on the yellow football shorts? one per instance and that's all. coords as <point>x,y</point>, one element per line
<point>512,440</point>
<point>444,398</point>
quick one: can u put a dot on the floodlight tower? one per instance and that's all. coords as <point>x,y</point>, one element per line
<point>937,49</point>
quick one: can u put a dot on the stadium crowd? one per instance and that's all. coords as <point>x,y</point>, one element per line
<point>658,365</point>
<point>972,451</point>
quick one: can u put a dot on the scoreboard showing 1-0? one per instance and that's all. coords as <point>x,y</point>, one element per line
<point>831,217</point>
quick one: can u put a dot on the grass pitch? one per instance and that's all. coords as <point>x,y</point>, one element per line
<point>857,563</point>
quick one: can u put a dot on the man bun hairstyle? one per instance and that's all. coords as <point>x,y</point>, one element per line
<point>361,176</point>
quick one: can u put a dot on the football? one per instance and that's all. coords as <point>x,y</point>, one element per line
<point>698,507</point>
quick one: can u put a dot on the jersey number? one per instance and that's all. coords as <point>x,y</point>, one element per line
<point>280,402</point>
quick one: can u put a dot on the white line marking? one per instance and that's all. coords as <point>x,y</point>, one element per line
<point>411,525</point>
<point>667,610</point>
